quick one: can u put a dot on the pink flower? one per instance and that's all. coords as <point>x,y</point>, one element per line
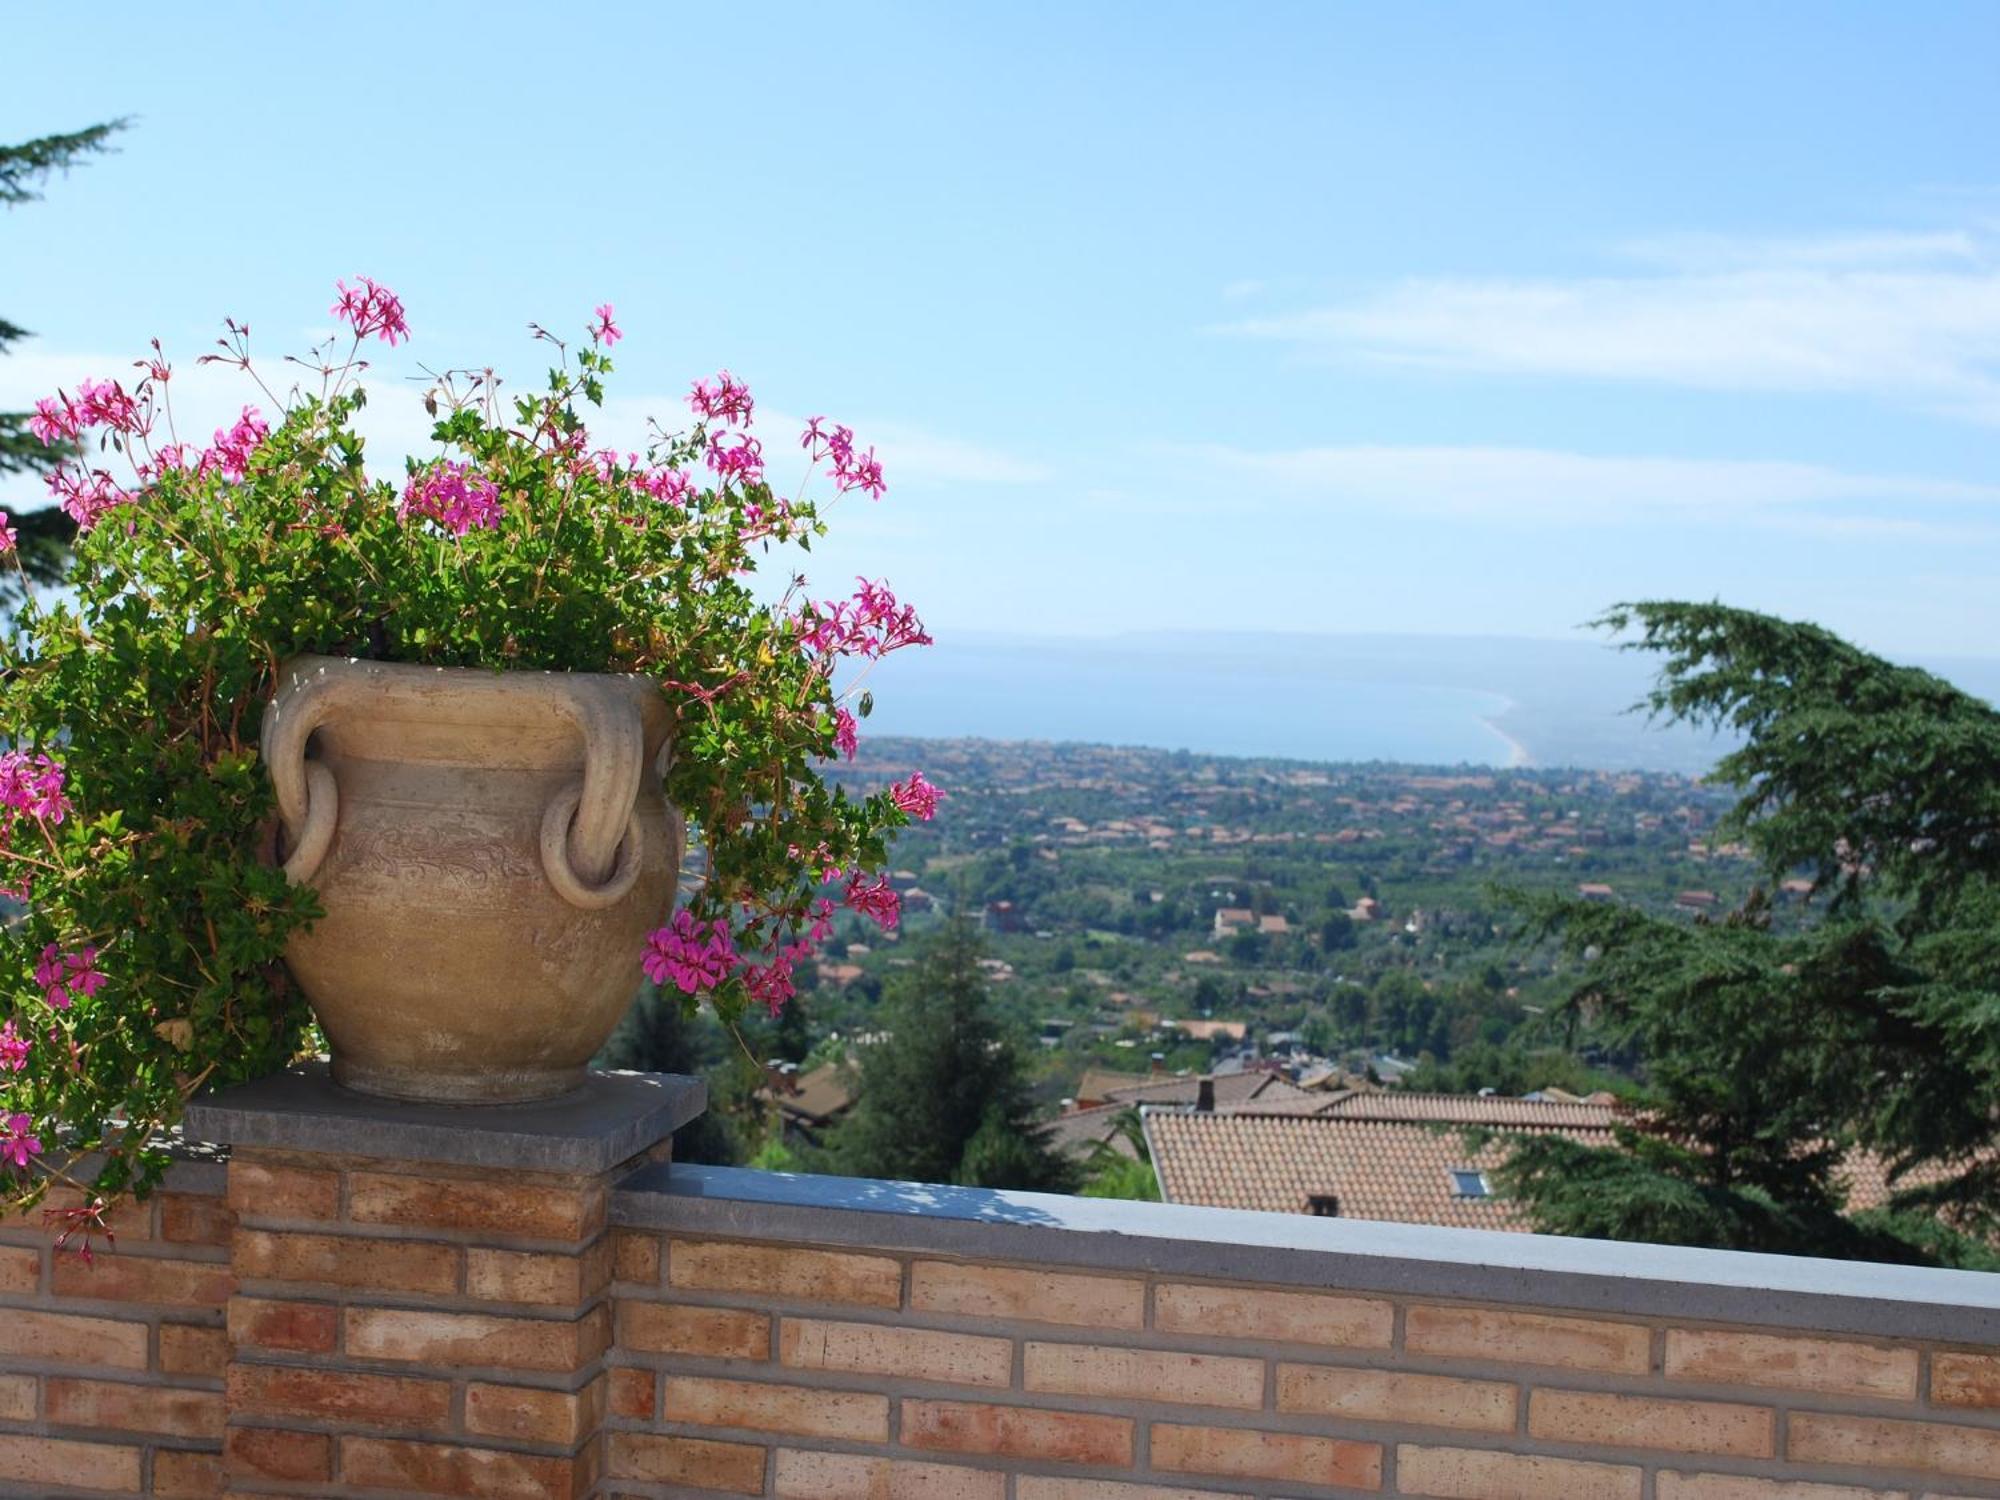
<point>870,625</point>
<point>230,454</point>
<point>56,420</point>
<point>740,458</point>
<point>14,1048</point>
<point>104,403</point>
<point>850,471</point>
<point>85,494</point>
<point>846,739</point>
<point>861,472</point>
<point>32,784</point>
<point>65,976</point>
<point>668,486</point>
<point>727,401</point>
<point>8,537</point>
<point>17,1143</point>
<point>875,901</point>
<point>771,983</point>
<point>604,331</point>
<point>371,308</point>
<point>917,797</point>
<point>456,497</point>
<point>695,956</point>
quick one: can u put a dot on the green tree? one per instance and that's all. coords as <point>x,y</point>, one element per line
<point>658,1036</point>
<point>1336,932</point>
<point>1111,1173</point>
<point>43,535</point>
<point>944,1096</point>
<point>1770,1053</point>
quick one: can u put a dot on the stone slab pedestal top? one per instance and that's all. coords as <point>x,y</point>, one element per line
<point>611,1119</point>
<point>420,1301</point>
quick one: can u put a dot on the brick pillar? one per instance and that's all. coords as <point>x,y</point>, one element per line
<point>420,1292</point>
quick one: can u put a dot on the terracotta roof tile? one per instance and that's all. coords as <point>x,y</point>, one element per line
<point>1395,1170</point>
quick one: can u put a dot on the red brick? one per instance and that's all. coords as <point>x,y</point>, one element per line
<point>19,1396</point>
<point>1479,1474</point>
<point>1393,1396</point>
<point>1648,1422</point>
<point>299,1327</point>
<point>1287,1317</point>
<point>537,1211</point>
<point>1034,1487</point>
<point>1671,1486</point>
<point>912,1353</point>
<point>1029,1295</point>
<point>772,1271</point>
<point>1837,1367</point>
<point>346,1260</point>
<point>477,1339</point>
<point>339,1396</point>
<point>697,1462</point>
<point>274,1453</point>
<point>1965,1379</point>
<point>135,1278</point>
<point>632,1393</point>
<point>448,1469</point>
<point>531,1415</point>
<point>182,1474</point>
<point>808,1411</point>
<point>1237,1453</point>
<point>1144,1375</point>
<point>541,1278</point>
<point>1886,1442</point>
<point>193,1349</point>
<point>133,1408</point>
<point>853,1476</point>
<point>674,1328</point>
<point>195,1219</point>
<point>262,1190</point>
<point>20,1270</point>
<point>1064,1437</point>
<point>93,1466</point>
<point>635,1256</point>
<point>1528,1339</point>
<point>102,1343</point>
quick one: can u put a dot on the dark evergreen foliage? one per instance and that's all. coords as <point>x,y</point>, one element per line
<point>43,535</point>
<point>1769,1055</point>
<point>944,1096</point>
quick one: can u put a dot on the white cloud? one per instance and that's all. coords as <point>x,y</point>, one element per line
<point>1542,485</point>
<point>1910,318</point>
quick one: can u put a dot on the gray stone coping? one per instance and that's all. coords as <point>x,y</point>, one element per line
<point>612,1118</point>
<point>1601,1277</point>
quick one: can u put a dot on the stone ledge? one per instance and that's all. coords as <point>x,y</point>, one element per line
<point>1528,1271</point>
<point>611,1119</point>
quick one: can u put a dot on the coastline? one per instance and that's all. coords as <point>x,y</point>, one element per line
<point>1517,753</point>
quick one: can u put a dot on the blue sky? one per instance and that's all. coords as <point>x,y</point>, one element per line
<point>1435,318</point>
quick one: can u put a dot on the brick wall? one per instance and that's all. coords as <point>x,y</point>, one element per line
<point>327,1324</point>
<point>415,1329</point>
<point>749,1367</point>
<point>111,1374</point>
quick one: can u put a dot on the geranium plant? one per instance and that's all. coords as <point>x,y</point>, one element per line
<point>145,963</point>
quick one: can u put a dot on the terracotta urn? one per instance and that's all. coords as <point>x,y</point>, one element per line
<point>490,848</point>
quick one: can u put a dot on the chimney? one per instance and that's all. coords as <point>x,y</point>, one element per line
<point>1204,1096</point>
<point>1159,1064</point>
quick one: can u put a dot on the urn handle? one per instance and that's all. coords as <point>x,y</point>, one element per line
<point>591,838</point>
<point>308,796</point>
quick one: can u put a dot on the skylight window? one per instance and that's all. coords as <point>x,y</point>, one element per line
<point>1470,1184</point>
